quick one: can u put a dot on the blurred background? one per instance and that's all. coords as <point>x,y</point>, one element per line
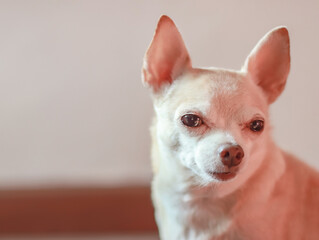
<point>74,115</point>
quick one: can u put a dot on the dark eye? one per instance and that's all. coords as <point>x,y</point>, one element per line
<point>256,125</point>
<point>191,120</point>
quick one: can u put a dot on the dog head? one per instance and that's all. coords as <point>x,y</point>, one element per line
<point>214,122</point>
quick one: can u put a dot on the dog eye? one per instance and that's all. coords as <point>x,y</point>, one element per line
<point>191,120</point>
<point>256,125</point>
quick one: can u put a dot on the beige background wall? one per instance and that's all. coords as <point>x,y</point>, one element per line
<point>72,107</point>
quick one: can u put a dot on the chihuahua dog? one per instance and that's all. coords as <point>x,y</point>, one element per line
<point>217,172</point>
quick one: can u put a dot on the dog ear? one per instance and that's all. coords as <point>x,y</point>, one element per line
<point>269,62</point>
<point>166,57</point>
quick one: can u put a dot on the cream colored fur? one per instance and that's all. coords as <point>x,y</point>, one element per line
<point>273,195</point>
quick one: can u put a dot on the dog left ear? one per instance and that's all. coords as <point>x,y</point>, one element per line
<point>269,62</point>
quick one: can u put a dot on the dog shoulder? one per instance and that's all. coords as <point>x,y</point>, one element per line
<point>304,181</point>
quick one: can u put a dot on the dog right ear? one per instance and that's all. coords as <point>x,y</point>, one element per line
<point>166,57</point>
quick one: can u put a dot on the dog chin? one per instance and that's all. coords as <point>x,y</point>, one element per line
<point>213,178</point>
<point>223,176</point>
<point>218,176</point>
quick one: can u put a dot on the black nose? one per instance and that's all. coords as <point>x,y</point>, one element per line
<point>231,155</point>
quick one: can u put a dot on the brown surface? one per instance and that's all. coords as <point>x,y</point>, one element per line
<point>148,236</point>
<point>57,211</point>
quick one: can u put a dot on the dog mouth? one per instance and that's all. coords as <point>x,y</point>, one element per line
<point>223,176</point>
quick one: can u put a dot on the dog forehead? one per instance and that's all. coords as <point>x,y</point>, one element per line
<point>211,81</point>
<point>204,86</point>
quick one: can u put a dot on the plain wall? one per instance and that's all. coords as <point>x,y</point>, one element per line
<point>72,107</point>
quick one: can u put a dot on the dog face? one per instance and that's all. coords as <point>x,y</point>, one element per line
<point>214,122</point>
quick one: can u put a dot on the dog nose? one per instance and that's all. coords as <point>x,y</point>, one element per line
<point>231,155</point>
